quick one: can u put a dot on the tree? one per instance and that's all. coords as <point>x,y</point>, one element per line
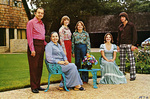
<point>135,6</point>
<point>75,9</point>
<point>82,9</point>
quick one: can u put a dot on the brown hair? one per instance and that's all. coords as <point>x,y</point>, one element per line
<point>110,36</point>
<point>124,14</point>
<point>76,27</point>
<point>63,19</point>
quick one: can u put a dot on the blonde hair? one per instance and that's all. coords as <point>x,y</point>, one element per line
<point>110,36</point>
<point>76,27</point>
<point>63,19</point>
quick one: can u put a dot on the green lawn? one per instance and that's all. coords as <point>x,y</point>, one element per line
<point>14,71</point>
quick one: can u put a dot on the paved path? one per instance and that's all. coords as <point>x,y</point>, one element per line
<point>138,89</point>
<point>92,50</point>
<point>95,49</point>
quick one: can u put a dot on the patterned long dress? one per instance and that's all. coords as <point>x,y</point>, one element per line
<point>54,54</point>
<point>110,71</point>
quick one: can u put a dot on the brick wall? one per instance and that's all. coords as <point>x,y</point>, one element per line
<point>13,17</point>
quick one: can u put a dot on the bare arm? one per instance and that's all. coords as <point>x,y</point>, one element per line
<point>114,57</point>
<point>118,49</point>
<point>111,60</point>
<point>103,55</point>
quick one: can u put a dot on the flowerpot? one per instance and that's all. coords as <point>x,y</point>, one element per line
<point>87,67</point>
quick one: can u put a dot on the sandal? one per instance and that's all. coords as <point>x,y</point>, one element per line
<point>61,89</point>
<point>77,89</point>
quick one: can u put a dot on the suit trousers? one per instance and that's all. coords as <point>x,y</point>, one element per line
<point>36,63</point>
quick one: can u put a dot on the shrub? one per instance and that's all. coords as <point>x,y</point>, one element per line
<point>142,59</point>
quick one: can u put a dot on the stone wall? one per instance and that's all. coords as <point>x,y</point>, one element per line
<point>3,49</point>
<point>18,45</point>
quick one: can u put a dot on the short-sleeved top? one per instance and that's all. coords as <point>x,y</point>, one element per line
<point>108,53</point>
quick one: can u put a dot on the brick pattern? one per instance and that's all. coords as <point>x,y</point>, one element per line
<point>13,17</point>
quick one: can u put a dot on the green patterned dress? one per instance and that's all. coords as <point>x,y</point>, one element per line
<point>110,71</point>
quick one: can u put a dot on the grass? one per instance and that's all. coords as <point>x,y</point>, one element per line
<point>14,71</point>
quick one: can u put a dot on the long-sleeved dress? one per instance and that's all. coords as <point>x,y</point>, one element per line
<point>110,71</point>
<point>54,54</point>
<point>65,41</point>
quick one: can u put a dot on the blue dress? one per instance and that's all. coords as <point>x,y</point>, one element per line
<point>55,53</point>
<point>110,71</point>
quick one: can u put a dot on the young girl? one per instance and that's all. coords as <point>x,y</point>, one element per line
<point>65,37</point>
<point>80,46</point>
<point>110,73</point>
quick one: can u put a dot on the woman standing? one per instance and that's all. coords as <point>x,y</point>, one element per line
<point>80,46</point>
<point>110,73</point>
<point>55,55</point>
<point>65,37</point>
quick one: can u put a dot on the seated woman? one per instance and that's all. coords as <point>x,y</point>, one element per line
<point>110,73</point>
<point>55,54</point>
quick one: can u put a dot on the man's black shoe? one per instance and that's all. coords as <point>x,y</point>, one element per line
<point>35,91</point>
<point>132,79</point>
<point>41,89</point>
